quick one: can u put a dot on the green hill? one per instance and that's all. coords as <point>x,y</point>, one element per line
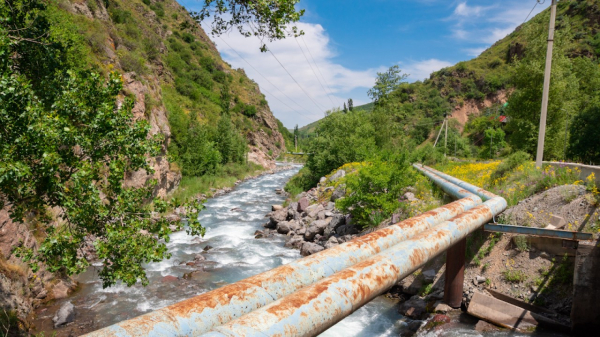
<point>475,94</point>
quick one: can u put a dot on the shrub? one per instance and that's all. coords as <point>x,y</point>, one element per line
<point>187,37</point>
<point>119,15</point>
<point>187,88</point>
<point>207,63</point>
<point>202,78</point>
<point>220,76</point>
<point>375,188</point>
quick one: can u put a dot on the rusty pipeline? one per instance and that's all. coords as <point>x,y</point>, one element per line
<point>485,195</point>
<point>313,309</point>
<point>199,314</point>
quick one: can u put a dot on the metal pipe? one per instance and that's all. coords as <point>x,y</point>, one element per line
<point>485,195</point>
<point>199,314</point>
<point>313,309</point>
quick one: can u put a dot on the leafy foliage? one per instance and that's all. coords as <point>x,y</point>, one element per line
<point>66,143</point>
<point>375,189</point>
<point>269,18</point>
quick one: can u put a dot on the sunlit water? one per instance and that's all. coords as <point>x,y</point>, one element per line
<point>231,221</point>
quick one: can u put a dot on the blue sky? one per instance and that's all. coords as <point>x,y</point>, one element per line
<point>347,42</point>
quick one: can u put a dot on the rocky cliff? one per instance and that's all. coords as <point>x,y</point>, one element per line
<point>143,40</point>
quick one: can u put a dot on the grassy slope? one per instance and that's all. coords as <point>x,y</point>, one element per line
<point>490,72</point>
<point>160,42</point>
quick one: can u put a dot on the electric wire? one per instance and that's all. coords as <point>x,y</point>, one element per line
<point>541,2</point>
<point>266,79</point>
<point>313,70</point>
<point>251,26</point>
<point>304,91</point>
<point>316,65</point>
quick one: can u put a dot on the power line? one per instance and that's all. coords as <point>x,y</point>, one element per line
<point>281,64</point>
<point>541,2</point>
<point>304,91</point>
<point>276,87</point>
<point>316,65</point>
<point>313,70</point>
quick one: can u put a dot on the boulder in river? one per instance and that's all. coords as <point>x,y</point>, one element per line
<point>317,227</point>
<point>414,308</point>
<point>309,248</point>
<point>276,207</point>
<point>64,315</point>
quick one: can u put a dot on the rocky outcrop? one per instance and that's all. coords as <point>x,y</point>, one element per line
<point>309,228</point>
<point>21,289</point>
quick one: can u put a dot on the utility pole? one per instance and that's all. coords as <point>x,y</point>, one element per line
<point>566,131</point>
<point>540,149</point>
<point>439,133</point>
<point>446,136</point>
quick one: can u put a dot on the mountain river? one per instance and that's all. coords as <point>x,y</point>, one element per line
<point>231,221</point>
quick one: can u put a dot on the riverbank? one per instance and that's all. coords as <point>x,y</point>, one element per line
<point>226,254</point>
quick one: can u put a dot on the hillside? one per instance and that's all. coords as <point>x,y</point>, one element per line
<point>180,83</point>
<point>212,119</point>
<point>484,83</point>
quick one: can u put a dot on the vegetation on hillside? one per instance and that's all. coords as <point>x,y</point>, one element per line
<point>408,116</point>
<point>66,143</point>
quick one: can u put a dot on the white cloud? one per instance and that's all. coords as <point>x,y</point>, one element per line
<point>298,106</point>
<point>420,70</point>
<point>488,24</point>
<point>466,11</point>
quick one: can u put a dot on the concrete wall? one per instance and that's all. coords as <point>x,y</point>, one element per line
<point>586,170</point>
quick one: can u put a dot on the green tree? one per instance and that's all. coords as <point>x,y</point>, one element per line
<point>264,19</point>
<point>350,104</point>
<point>525,103</point>
<point>386,82</point>
<point>66,143</point>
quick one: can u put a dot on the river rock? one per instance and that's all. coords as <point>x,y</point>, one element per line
<point>64,315</point>
<point>440,307</point>
<point>414,308</point>
<point>317,227</point>
<point>207,248</point>
<point>314,210</point>
<point>171,278</point>
<point>330,206</point>
<point>294,242</point>
<point>199,257</point>
<point>60,290</point>
<point>335,222</point>
<point>302,204</point>
<point>309,248</point>
<point>322,180</point>
<point>287,226</point>
<point>331,242</point>
<point>347,230</point>
<point>321,215</point>
<point>429,275</point>
<point>259,234</point>
<point>276,207</point>
<point>275,218</point>
<point>483,326</point>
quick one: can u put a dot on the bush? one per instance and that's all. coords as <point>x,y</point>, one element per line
<point>374,190</point>
<point>187,88</point>
<point>207,63</point>
<point>509,164</point>
<point>220,76</point>
<point>202,78</point>
<point>187,37</point>
<point>119,15</point>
